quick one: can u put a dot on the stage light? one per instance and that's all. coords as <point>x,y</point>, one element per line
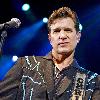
<point>80,27</point>
<point>45,20</point>
<point>25,7</point>
<point>14,58</point>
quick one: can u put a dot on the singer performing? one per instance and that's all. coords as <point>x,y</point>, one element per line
<point>56,76</point>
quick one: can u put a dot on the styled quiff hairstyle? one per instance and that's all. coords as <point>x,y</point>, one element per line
<point>63,13</point>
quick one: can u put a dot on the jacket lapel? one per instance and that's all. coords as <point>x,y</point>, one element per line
<point>65,82</point>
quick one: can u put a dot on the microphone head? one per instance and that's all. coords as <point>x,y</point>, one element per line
<point>16,22</point>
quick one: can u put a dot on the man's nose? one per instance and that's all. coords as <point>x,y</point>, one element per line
<point>62,34</point>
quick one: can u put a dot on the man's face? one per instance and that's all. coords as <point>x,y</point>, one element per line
<point>63,36</point>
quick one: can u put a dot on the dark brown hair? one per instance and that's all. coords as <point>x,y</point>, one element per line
<point>63,13</point>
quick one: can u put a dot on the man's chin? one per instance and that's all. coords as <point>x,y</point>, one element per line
<point>62,51</point>
<point>65,52</point>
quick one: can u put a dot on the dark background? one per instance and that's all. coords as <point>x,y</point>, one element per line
<point>88,50</point>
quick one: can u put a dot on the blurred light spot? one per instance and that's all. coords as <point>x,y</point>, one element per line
<point>80,27</point>
<point>14,58</point>
<point>45,20</point>
<point>25,7</point>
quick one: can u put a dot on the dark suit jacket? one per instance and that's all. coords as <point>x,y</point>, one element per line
<point>33,79</point>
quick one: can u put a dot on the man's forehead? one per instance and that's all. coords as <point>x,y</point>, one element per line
<point>62,22</point>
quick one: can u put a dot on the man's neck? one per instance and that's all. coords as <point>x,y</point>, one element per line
<point>62,60</point>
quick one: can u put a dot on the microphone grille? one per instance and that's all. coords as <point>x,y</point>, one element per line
<point>17,21</point>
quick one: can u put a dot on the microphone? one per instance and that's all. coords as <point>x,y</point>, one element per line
<point>14,23</point>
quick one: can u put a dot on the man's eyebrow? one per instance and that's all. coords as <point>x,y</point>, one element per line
<point>68,28</point>
<point>56,28</point>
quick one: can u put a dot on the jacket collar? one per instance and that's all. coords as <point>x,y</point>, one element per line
<point>48,56</point>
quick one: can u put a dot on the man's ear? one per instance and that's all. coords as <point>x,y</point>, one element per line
<point>49,36</point>
<point>78,36</point>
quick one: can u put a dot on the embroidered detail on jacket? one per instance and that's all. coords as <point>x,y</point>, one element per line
<point>24,79</point>
<point>92,76</point>
<point>28,62</point>
<point>36,66</point>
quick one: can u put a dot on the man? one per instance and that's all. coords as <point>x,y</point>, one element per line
<point>56,76</point>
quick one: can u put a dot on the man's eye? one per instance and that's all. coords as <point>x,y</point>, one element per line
<point>56,30</point>
<point>67,30</point>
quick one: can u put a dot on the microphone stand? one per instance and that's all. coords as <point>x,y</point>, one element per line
<point>3,36</point>
<point>4,32</point>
